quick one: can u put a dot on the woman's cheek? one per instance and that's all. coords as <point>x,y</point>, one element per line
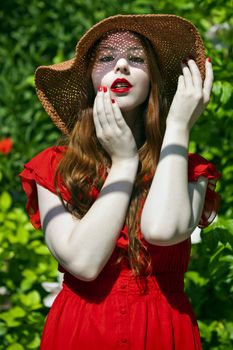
<point>100,77</point>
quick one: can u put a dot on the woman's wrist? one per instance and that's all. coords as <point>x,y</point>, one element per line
<point>125,167</point>
<point>126,162</point>
<point>177,125</point>
<point>176,135</point>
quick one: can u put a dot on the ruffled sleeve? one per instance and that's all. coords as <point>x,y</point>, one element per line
<point>199,166</point>
<point>41,169</point>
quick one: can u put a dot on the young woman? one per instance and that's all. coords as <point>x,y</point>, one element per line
<point>119,199</point>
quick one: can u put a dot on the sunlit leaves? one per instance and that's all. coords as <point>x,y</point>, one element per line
<point>21,275</point>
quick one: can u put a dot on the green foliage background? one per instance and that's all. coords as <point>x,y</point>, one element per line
<point>41,32</point>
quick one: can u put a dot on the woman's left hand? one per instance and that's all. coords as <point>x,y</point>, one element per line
<point>192,95</point>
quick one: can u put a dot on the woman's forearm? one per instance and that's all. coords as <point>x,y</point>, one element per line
<point>95,235</point>
<point>167,209</point>
<point>167,214</point>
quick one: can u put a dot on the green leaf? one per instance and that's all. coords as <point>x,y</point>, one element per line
<point>10,225</point>
<point>10,316</point>
<point>22,235</point>
<point>29,274</point>
<point>15,346</point>
<point>2,217</point>
<point>17,312</point>
<point>3,329</point>
<point>217,88</point>
<point>217,253</point>
<point>35,343</point>
<point>27,282</point>
<point>5,201</point>
<point>12,238</point>
<point>42,250</point>
<point>31,299</point>
<point>10,321</point>
<point>205,330</point>
<point>30,80</point>
<point>226,92</point>
<point>195,277</point>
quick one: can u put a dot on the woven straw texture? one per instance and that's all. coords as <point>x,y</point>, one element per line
<point>62,87</point>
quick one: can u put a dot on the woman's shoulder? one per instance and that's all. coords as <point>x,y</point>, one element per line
<point>41,170</point>
<point>42,167</point>
<point>44,163</point>
<point>47,157</point>
<point>200,166</point>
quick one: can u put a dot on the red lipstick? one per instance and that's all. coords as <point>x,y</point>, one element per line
<point>120,86</point>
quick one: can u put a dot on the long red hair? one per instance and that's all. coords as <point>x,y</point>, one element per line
<point>85,160</point>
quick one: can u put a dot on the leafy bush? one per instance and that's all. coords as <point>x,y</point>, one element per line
<point>209,284</point>
<point>25,263</point>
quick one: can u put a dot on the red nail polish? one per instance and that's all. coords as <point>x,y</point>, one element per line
<point>209,59</point>
<point>105,88</point>
<point>184,61</point>
<point>191,57</point>
<point>99,88</point>
<point>113,101</point>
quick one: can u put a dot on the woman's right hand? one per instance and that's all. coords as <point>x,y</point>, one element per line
<point>111,129</point>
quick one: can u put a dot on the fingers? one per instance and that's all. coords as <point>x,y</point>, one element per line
<point>196,75</point>
<point>181,83</point>
<point>188,81</point>
<point>120,121</point>
<point>100,110</point>
<point>191,79</point>
<point>96,119</point>
<point>192,76</point>
<point>208,82</point>
<point>107,116</point>
<point>107,104</point>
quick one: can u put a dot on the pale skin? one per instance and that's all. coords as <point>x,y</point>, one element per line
<point>84,246</point>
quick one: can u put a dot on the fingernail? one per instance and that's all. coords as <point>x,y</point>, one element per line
<point>209,59</point>
<point>113,101</point>
<point>105,88</point>
<point>99,88</point>
<point>184,61</point>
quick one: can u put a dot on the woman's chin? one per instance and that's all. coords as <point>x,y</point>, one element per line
<point>127,104</point>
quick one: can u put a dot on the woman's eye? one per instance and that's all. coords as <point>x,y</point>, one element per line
<point>136,59</point>
<point>106,59</point>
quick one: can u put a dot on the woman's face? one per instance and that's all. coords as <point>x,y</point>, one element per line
<point>120,62</point>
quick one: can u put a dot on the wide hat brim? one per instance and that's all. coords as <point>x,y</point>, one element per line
<point>62,87</point>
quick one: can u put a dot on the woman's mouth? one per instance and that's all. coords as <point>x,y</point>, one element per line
<point>120,86</point>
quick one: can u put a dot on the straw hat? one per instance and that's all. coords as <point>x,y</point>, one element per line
<point>62,87</point>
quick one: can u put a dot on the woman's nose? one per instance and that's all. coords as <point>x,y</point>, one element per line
<point>122,66</point>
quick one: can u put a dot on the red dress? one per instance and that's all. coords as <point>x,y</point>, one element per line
<point>111,312</point>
